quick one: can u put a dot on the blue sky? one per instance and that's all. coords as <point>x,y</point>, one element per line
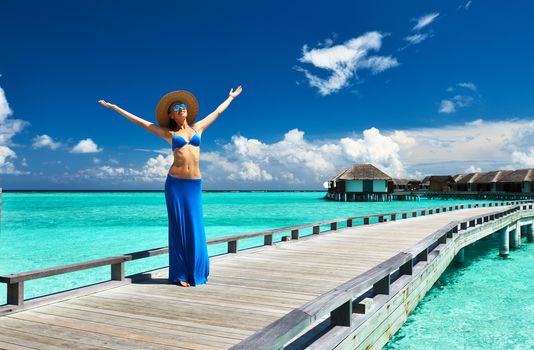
<point>416,88</point>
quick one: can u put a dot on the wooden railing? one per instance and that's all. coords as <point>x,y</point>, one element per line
<point>15,282</point>
<point>384,279</point>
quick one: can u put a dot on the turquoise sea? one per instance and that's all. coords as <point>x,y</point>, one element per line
<point>44,229</point>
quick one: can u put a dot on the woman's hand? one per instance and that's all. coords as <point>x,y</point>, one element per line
<point>105,104</point>
<point>235,93</point>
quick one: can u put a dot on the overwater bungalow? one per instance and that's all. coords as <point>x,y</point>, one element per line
<point>360,182</point>
<point>466,182</point>
<point>406,184</point>
<point>521,180</point>
<point>440,183</point>
<point>490,181</point>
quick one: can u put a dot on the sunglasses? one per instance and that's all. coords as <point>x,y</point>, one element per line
<point>176,108</point>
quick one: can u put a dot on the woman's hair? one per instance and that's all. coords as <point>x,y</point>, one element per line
<point>173,125</point>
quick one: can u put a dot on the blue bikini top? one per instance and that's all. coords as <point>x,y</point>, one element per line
<point>179,142</point>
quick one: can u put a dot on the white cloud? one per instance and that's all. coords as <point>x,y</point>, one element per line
<point>468,85</point>
<point>524,159</point>
<point>97,160</point>
<point>416,38</point>
<point>462,100</point>
<point>343,61</point>
<point>473,169</point>
<point>447,106</point>
<point>425,20</point>
<point>291,160</point>
<point>453,148</point>
<point>458,101</point>
<point>86,146</point>
<point>8,129</point>
<point>45,141</point>
<point>296,161</point>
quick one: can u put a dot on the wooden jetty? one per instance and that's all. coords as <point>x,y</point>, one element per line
<point>350,286</point>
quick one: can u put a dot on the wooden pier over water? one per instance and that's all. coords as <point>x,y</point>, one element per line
<point>350,286</point>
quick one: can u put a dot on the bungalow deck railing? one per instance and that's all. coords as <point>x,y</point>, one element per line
<point>344,306</point>
<point>15,282</point>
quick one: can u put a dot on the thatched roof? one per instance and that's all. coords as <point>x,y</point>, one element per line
<point>457,177</point>
<point>400,182</point>
<point>361,172</point>
<point>519,176</point>
<point>441,178</point>
<point>492,176</point>
<point>467,178</point>
<point>405,181</point>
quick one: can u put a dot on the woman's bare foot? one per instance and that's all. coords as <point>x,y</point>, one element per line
<point>184,284</point>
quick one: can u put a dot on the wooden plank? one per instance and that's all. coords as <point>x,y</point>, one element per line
<point>10,346</point>
<point>23,339</point>
<point>184,312</point>
<point>219,299</point>
<point>122,332</point>
<point>133,325</point>
<point>227,332</point>
<point>90,339</point>
<point>225,303</point>
<point>218,291</point>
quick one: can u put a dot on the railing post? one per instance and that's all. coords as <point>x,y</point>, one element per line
<point>349,222</point>
<point>404,215</point>
<point>316,229</point>
<point>117,271</point>
<point>406,268</point>
<point>232,247</point>
<point>295,234</point>
<point>382,286</point>
<point>366,220</point>
<point>268,239</point>
<point>381,218</point>
<point>333,226</point>
<point>393,217</point>
<point>15,293</point>
<point>342,316</point>
<point>423,256</point>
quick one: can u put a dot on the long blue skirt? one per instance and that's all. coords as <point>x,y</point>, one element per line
<point>188,251</point>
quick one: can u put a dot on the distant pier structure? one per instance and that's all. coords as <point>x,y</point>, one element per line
<point>364,183</point>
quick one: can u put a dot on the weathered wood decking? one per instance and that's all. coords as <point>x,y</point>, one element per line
<point>245,293</point>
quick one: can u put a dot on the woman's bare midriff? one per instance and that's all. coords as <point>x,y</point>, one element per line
<point>186,162</point>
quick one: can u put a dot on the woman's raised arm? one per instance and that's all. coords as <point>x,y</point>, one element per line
<point>201,125</point>
<point>153,128</point>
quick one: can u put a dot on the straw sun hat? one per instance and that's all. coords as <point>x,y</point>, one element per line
<point>181,96</point>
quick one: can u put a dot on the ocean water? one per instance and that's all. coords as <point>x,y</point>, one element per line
<point>485,303</point>
<point>45,229</point>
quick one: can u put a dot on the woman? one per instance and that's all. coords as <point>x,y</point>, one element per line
<point>175,113</point>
